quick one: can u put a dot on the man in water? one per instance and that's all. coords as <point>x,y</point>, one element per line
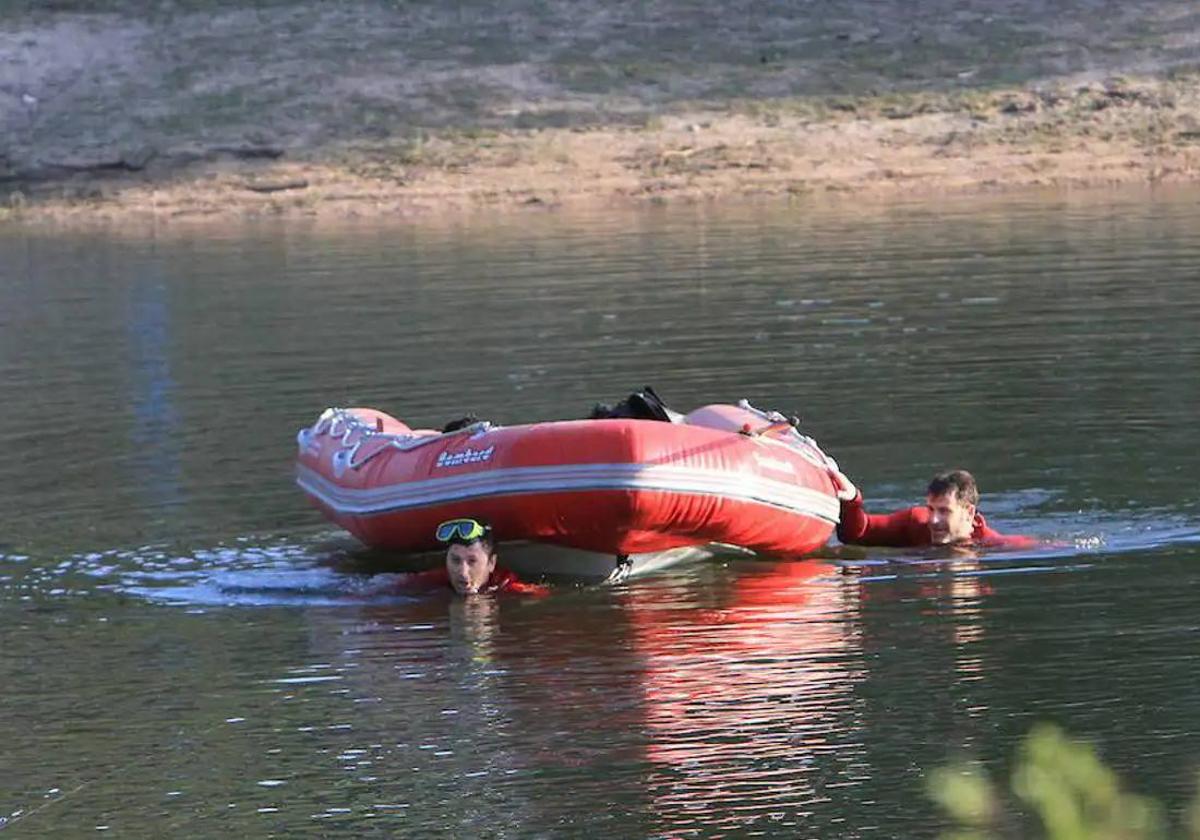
<point>949,517</point>
<point>470,567</point>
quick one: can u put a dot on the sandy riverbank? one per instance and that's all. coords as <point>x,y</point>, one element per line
<point>208,108</point>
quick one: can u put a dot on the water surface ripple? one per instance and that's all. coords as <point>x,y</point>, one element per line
<point>190,651</point>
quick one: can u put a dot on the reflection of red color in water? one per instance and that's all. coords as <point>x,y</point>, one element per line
<point>741,695</point>
<point>780,584</point>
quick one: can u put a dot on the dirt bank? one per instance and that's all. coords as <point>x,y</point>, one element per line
<point>203,107</point>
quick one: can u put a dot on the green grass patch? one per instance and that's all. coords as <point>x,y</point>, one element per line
<point>1059,789</point>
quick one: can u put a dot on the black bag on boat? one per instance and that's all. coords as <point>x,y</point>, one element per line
<point>459,423</point>
<point>640,405</point>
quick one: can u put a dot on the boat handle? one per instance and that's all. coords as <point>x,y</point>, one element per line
<point>778,425</point>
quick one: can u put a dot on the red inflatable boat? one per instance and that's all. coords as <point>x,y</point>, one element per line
<point>721,474</point>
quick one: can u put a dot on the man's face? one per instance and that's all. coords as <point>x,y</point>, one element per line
<point>469,566</point>
<point>950,519</point>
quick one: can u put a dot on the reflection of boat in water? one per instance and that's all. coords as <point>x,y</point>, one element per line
<point>617,487</point>
<point>723,703</point>
<point>744,694</point>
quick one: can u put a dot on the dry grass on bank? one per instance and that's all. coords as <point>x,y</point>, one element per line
<point>1116,132</point>
<point>206,107</point>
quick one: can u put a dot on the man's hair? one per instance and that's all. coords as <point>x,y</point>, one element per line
<point>961,482</point>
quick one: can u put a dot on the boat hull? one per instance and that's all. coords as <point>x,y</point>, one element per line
<point>613,486</point>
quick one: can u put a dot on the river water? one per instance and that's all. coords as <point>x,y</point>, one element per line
<point>189,650</point>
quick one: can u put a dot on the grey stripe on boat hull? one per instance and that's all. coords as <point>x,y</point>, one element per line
<point>512,483</point>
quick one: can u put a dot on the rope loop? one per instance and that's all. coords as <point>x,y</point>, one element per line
<point>354,432</point>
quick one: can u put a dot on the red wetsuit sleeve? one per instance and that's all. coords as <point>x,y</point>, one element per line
<point>501,580</point>
<point>520,587</point>
<point>902,529</point>
<point>505,580</point>
<point>987,537</point>
<point>421,581</point>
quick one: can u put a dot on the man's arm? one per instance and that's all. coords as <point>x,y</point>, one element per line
<point>520,587</point>
<point>505,580</point>
<point>897,529</point>
<point>395,583</point>
<point>988,537</point>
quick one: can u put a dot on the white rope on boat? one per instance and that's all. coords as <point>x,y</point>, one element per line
<point>354,432</point>
<point>806,446</point>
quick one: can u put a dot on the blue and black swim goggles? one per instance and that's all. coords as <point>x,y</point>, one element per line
<point>464,531</point>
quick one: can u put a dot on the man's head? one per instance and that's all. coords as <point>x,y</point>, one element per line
<point>470,554</point>
<point>951,499</point>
